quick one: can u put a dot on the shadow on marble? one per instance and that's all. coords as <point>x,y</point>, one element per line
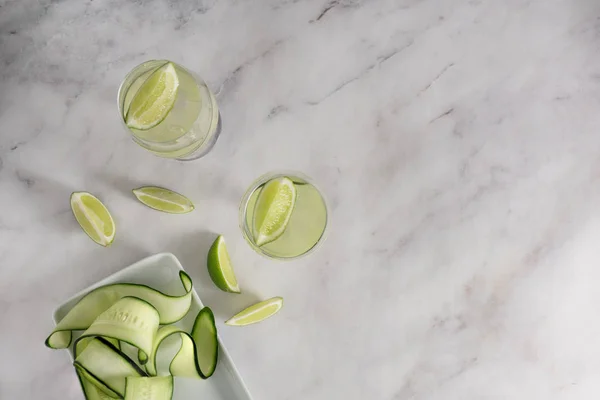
<point>122,184</point>
<point>192,250</point>
<point>92,264</point>
<point>50,200</point>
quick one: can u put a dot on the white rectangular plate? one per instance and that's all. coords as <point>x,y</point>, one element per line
<point>161,271</point>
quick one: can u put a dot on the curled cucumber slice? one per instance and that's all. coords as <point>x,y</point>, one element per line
<point>199,351</point>
<point>82,343</point>
<point>130,320</point>
<point>132,314</point>
<point>150,388</point>
<point>170,308</point>
<point>106,367</point>
<point>91,391</point>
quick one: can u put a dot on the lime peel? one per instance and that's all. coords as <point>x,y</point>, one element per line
<point>219,267</point>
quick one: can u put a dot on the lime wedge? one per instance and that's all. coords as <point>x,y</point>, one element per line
<point>256,313</point>
<point>219,267</point>
<point>93,217</point>
<point>155,98</point>
<point>165,200</point>
<point>273,210</point>
<point>135,86</point>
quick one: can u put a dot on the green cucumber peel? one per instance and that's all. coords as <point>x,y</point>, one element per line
<point>198,353</point>
<point>170,308</point>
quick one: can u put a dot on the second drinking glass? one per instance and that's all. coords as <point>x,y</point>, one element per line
<point>283,215</point>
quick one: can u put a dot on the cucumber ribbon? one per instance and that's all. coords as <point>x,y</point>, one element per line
<point>129,313</point>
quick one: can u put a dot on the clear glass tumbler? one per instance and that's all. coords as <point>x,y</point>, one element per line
<point>191,127</point>
<point>306,226</point>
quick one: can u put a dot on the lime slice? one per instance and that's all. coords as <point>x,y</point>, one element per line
<point>93,217</point>
<point>165,200</point>
<point>219,267</point>
<point>256,313</point>
<point>273,210</point>
<point>155,98</point>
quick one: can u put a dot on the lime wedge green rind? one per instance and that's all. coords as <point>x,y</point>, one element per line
<point>257,312</point>
<point>154,100</point>
<point>135,86</point>
<point>93,217</point>
<point>220,268</point>
<point>164,200</point>
<point>273,210</point>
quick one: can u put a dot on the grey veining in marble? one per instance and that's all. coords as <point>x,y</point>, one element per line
<point>457,142</point>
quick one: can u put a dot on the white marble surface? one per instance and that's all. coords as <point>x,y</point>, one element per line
<point>457,142</point>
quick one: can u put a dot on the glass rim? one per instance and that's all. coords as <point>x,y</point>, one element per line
<point>247,230</point>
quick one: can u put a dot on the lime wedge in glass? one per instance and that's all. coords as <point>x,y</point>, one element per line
<point>162,199</point>
<point>135,86</point>
<point>155,98</point>
<point>257,312</point>
<point>219,267</point>
<point>93,217</point>
<point>273,210</point>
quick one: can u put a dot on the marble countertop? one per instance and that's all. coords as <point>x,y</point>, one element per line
<point>456,141</point>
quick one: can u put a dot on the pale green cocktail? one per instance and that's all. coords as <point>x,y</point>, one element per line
<point>168,110</point>
<point>283,215</point>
